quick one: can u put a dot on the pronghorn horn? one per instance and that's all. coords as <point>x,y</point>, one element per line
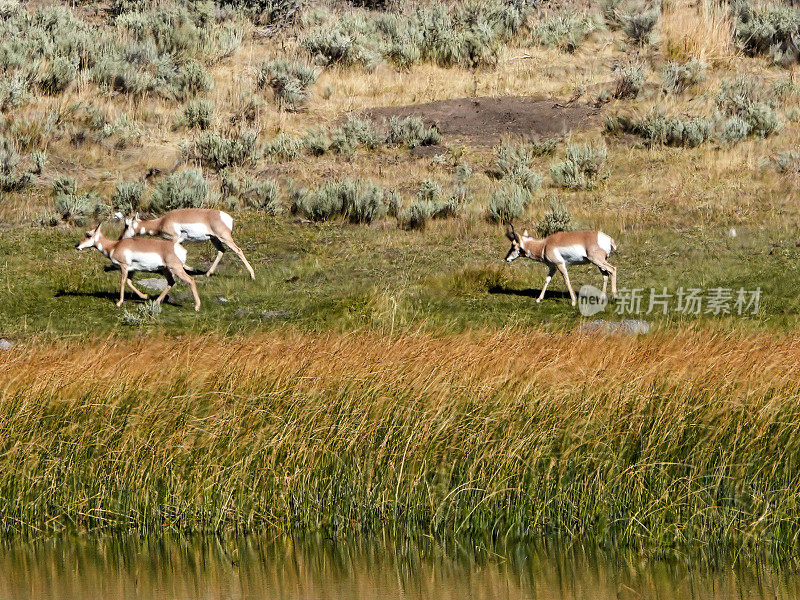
<point>510,233</point>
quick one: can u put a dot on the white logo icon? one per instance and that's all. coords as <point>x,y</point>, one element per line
<point>591,300</point>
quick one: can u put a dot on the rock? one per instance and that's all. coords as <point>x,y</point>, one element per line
<point>179,297</point>
<point>154,283</point>
<point>732,232</point>
<point>264,315</point>
<point>6,344</point>
<point>222,299</point>
<point>275,314</point>
<point>624,327</point>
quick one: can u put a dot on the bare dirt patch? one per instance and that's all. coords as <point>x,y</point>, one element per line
<point>483,121</point>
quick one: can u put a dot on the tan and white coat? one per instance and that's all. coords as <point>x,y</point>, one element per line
<point>143,254</point>
<point>565,248</point>
<point>192,225</point>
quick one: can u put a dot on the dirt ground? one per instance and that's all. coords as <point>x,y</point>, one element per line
<point>483,121</point>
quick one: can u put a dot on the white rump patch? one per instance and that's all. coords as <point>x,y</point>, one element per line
<point>604,242</point>
<point>227,219</point>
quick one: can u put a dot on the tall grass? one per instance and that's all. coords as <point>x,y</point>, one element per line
<point>666,439</point>
<point>702,31</point>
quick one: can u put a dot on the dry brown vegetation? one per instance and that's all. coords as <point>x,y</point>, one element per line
<point>669,439</point>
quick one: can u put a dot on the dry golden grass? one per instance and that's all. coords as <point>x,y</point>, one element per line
<point>698,30</point>
<point>669,439</point>
<point>751,362</point>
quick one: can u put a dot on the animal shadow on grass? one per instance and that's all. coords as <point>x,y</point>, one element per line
<point>529,293</point>
<point>112,296</point>
<point>189,270</point>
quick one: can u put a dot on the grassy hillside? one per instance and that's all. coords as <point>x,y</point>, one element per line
<point>671,138</point>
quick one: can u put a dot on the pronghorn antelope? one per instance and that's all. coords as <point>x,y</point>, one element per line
<point>565,248</point>
<point>190,224</point>
<point>143,254</point>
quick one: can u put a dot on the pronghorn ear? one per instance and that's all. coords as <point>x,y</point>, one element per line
<point>525,233</point>
<point>118,216</point>
<point>136,216</point>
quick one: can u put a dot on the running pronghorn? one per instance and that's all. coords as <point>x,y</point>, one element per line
<point>143,254</point>
<point>190,224</point>
<point>565,248</point>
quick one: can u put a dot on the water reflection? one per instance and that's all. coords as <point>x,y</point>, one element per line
<point>114,567</point>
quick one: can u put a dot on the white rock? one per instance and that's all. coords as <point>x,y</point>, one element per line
<point>625,326</point>
<point>154,283</point>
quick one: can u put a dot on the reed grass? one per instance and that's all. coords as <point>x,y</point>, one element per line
<point>667,440</point>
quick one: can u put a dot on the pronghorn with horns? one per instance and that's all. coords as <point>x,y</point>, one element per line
<point>565,248</point>
<point>190,224</point>
<point>143,254</point>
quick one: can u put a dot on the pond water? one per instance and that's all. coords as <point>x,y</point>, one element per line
<point>315,567</point>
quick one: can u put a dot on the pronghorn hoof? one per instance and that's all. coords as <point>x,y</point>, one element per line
<point>538,301</point>
<point>574,303</point>
<point>118,303</point>
<point>196,308</point>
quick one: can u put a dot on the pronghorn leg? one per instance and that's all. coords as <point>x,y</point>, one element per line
<point>613,280</point>
<point>136,290</point>
<point>600,262</point>
<point>607,267</point>
<point>124,271</point>
<point>563,269</point>
<point>546,283</point>
<point>165,291</point>
<point>600,259</point>
<point>220,251</point>
<point>179,272</point>
<point>228,241</point>
<point>215,263</point>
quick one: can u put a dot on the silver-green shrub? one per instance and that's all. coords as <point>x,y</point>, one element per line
<point>220,152</point>
<point>629,82</point>
<point>565,30</point>
<point>356,200</point>
<point>411,132</point>
<point>556,218</point>
<point>507,203</point>
<point>197,113</point>
<point>582,167</point>
<point>291,82</point>
<point>128,195</point>
<point>283,147</point>
<point>184,189</point>
<point>676,78</point>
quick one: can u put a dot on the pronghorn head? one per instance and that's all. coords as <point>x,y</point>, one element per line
<point>516,244</point>
<point>131,225</point>
<point>91,240</point>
